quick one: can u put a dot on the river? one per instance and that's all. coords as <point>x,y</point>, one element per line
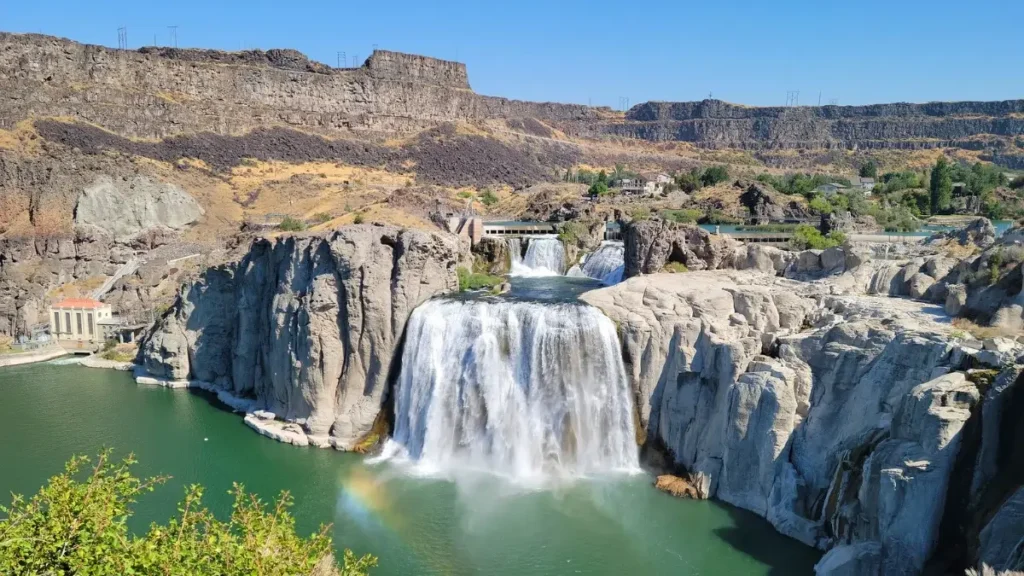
<point>476,525</point>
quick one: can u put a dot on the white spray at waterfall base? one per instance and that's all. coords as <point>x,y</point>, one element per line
<point>525,390</point>
<point>545,256</point>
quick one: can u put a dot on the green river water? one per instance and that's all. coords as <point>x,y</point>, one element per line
<point>618,525</point>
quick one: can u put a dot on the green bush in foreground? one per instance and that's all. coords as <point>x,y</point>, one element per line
<point>469,280</point>
<point>808,237</point>
<point>77,524</point>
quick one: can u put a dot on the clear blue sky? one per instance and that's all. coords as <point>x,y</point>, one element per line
<point>749,51</point>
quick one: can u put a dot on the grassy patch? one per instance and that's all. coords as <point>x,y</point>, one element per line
<point>469,280</point>
<point>684,216</point>
<point>290,224</point>
<point>675,268</point>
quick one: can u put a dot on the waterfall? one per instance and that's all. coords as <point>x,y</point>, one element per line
<point>545,256</point>
<point>605,264</point>
<point>526,390</point>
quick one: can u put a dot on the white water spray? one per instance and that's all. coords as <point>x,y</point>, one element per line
<point>526,390</point>
<point>545,256</point>
<point>606,264</point>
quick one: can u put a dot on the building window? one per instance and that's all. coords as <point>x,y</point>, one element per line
<point>67,322</point>
<point>78,318</point>
<point>56,323</point>
<point>89,319</point>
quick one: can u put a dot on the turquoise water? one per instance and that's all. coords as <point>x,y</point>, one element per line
<point>477,525</point>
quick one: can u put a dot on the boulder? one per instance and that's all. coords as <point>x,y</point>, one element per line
<point>956,299</point>
<point>919,284</point>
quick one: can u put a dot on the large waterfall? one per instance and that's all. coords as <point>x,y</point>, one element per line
<point>522,389</point>
<point>545,256</point>
<point>605,264</point>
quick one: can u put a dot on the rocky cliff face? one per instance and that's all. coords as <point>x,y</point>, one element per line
<point>190,91</point>
<point>175,92</point>
<point>717,124</point>
<point>306,327</point>
<point>837,416</point>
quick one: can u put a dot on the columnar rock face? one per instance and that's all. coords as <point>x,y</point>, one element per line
<point>180,91</point>
<point>837,416</point>
<point>187,91</point>
<point>308,327</point>
<point>718,124</point>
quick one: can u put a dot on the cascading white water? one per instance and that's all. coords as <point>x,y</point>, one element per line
<point>545,256</point>
<point>606,264</point>
<point>522,389</point>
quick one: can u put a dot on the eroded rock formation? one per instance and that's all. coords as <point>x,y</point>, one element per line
<point>837,416</point>
<point>305,327</point>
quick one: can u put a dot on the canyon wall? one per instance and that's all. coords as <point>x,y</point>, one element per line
<point>162,92</point>
<point>305,328</point>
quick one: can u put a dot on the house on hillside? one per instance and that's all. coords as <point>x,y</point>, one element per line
<point>865,184</point>
<point>831,189</point>
<point>646,183</point>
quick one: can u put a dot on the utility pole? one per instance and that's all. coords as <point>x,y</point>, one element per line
<point>819,97</point>
<point>174,35</point>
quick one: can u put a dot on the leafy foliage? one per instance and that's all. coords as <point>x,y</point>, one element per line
<point>469,280</point>
<point>820,205</point>
<point>714,175</point>
<point>321,217</point>
<point>358,218</point>
<point>868,169</point>
<point>941,186</point>
<point>799,182</point>
<point>290,224</point>
<point>809,237</point>
<point>675,268</point>
<point>684,216</point>
<point>488,197</point>
<point>77,525</point>
<point>598,188</point>
<point>1018,183</point>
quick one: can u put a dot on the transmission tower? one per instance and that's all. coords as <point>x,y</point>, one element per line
<point>833,102</point>
<point>793,98</point>
<point>174,35</point>
<point>122,38</point>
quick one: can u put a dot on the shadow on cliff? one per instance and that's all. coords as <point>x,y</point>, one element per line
<point>755,537</point>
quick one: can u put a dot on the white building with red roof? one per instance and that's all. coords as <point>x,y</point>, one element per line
<point>79,320</point>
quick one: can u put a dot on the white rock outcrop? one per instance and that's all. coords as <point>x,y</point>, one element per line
<point>834,414</point>
<point>306,327</point>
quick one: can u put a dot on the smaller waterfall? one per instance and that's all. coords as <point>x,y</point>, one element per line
<point>605,264</point>
<point>526,390</point>
<point>545,256</point>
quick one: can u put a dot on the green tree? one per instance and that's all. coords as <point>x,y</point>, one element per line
<point>941,186</point>
<point>869,169</point>
<point>820,205</point>
<point>289,224</point>
<point>77,524</point>
<point>598,188</point>
<point>714,175</point>
<point>602,177</point>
